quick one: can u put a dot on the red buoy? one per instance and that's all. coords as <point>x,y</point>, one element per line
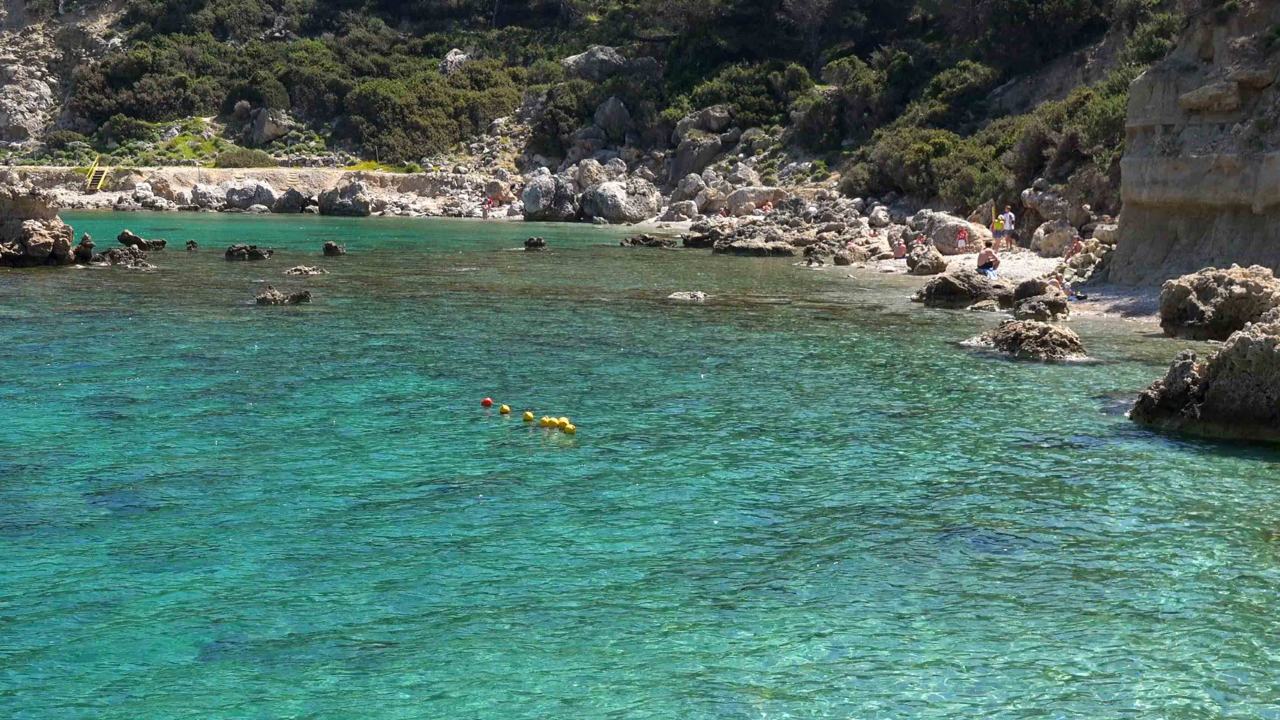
<point>486,403</point>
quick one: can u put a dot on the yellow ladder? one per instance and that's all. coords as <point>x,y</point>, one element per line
<point>97,176</point>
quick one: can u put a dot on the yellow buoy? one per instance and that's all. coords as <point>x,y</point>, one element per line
<point>505,409</point>
<point>528,416</point>
<point>563,423</point>
<point>545,422</point>
<point>570,429</point>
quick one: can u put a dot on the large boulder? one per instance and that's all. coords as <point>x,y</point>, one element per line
<point>943,229</point>
<point>129,239</point>
<point>453,62</point>
<point>550,198</point>
<point>743,200</point>
<point>350,200</point>
<point>962,288</point>
<point>291,202</point>
<point>1053,238</point>
<point>247,194</point>
<point>208,197</point>
<point>1213,303</point>
<point>622,202</point>
<point>756,247</point>
<point>599,62</point>
<point>924,260</point>
<point>1234,394</point>
<point>1037,299</point>
<point>1031,340</point>
<point>713,120</point>
<point>613,118</point>
<point>267,126</point>
<point>694,153</point>
<point>688,188</point>
<point>681,211</point>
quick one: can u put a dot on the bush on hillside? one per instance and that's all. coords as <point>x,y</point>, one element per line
<point>243,158</point>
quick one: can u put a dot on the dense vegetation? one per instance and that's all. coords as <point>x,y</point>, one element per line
<point>893,91</point>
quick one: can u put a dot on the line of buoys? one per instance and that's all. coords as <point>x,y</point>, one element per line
<point>563,424</point>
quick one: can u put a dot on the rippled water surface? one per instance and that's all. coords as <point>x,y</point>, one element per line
<point>802,499</point>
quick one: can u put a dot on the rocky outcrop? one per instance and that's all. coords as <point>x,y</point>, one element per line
<point>1211,304</point>
<point>1201,170</point>
<point>1235,393</point>
<point>192,246</point>
<point>241,253</point>
<point>924,260</point>
<point>333,249</point>
<point>535,244</point>
<point>964,288</point>
<point>272,296</point>
<point>305,271</point>
<point>350,200</point>
<point>31,233</point>
<point>130,257</point>
<point>1032,340</point>
<point>292,202</point>
<point>942,230</point>
<point>1053,238</point>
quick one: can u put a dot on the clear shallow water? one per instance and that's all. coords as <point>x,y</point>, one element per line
<point>800,500</point>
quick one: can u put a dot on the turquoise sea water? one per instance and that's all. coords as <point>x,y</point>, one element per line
<point>801,500</point>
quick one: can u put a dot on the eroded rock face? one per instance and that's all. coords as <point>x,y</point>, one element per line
<point>1032,340</point>
<point>1053,238</point>
<point>1202,153</point>
<point>963,288</point>
<point>245,195</point>
<point>1212,304</point>
<point>272,296</point>
<point>1235,393</point>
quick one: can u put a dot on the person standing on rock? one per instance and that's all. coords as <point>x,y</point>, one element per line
<point>1009,220</point>
<point>962,240</point>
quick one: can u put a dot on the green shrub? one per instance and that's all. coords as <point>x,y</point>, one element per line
<point>1152,39</point>
<point>61,139</point>
<point>243,158</point>
<point>121,129</point>
<point>759,95</point>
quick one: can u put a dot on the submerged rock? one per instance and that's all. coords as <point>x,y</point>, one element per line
<point>695,296</point>
<point>128,256</point>
<point>648,241</point>
<point>963,288</point>
<point>1212,303</point>
<point>1032,340</point>
<point>305,271</point>
<point>241,252</point>
<point>1234,394</point>
<point>535,244</point>
<point>272,296</point>
<point>192,246</point>
<point>333,249</point>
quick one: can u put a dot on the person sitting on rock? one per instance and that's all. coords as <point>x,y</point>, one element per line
<point>1077,247</point>
<point>899,249</point>
<point>988,261</point>
<point>766,208</point>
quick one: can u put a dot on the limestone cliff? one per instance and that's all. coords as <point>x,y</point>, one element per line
<point>1201,171</point>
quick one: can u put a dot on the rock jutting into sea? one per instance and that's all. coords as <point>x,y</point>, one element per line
<point>1234,394</point>
<point>31,233</point>
<point>333,249</point>
<point>1032,340</point>
<point>965,288</point>
<point>1212,303</point>
<point>535,244</point>
<point>1037,299</point>
<point>130,239</point>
